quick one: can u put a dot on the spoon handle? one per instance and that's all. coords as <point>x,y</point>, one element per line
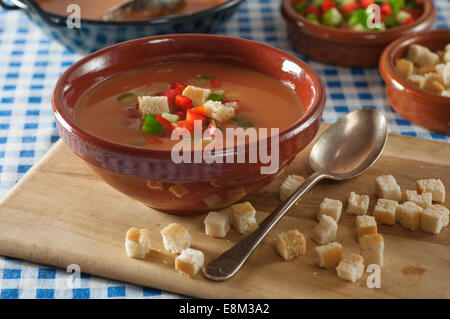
<point>230,261</point>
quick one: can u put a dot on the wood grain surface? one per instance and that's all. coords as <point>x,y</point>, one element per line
<point>61,213</point>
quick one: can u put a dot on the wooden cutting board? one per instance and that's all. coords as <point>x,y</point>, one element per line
<point>60,213</point>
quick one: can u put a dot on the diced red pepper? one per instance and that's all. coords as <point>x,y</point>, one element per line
<point>151,140</point>
<point>192,116</point>
<point>366,3</point>
<point>181,115</point>
<point>171,93</point>
<point>386,8</point>
<point>189,125</point>
<point>327,5</point>
<point>212,128</point>
<point>215,84</point>
<point>312,9</point>
<point>349,7</point>
<point>167,126</point>
<point>179,87</point>
<point>199,109</point>
<point>409,20</point>
<point>182,102</point>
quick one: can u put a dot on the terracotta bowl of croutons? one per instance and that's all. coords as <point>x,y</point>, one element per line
<point>152,117</point>
<point>334,32</point>
<point>416,69</point>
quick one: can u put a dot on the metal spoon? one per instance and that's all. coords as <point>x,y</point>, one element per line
<point>345,150</point>
<point>151,8</point>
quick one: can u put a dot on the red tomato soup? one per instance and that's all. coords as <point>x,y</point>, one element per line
<point>94,9</point>
<point>112,112</point>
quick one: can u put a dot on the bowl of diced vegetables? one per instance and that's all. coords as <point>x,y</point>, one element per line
<point>353,33</point>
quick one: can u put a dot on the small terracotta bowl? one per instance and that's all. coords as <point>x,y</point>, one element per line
<point>345,47</point>
<point>426,109</point>
<point>210,186</point>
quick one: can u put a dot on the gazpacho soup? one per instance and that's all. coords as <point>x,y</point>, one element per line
<point>95,9</point>
<point>142,107</point>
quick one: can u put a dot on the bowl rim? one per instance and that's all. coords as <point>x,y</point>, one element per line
<point>152,21</point>
<point>310,116</point>
<point>391,76</point>
<point>342,35</point>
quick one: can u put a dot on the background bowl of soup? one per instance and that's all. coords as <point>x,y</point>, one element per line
<point>197,16</point>
<point>275,89</point>
<point>344,46</point>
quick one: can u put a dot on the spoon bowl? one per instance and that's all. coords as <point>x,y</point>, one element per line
<point>345,150</point>
<point>152,8</point>
<point>349,147</point>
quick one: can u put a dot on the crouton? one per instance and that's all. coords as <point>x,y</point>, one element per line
<point>423,200</point>
<point>155,184</point>
<point>217,224</point>
<point>427,69</point>
<point>198,95</point>
<point>421,55</point>
<point>433,186</point>
<point>357,204</point>
<point>328,256</point>
<point>214,201</point>
<point>386,187</point>
<point>189,262</point>
<point>291,244</point>
<point>351,267</point>
<point>365,225</point>
<point>416,79</point>
<point>325,231</point>
<point>384,211</point>
<point>243,217</point>
<point>137,242</point>
<point>446,57</point>
<point>408,215</point>
<point>179,190</point>
<point>153,105</point>
<point>446,93</point>
<point>218,111</point>
<point>290,185</point>
<point>433,83</point>
<point>372,249</point>
<point>330,207</point>
<point>434,218</point>
<point>404,67</point>
<point>446,74</point>
<point>176,238</point>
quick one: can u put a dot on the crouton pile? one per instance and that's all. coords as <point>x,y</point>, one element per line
<point>428,70</point>
<point>413,209</point>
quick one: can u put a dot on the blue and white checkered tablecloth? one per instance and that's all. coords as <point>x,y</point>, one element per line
<point>30,64</point>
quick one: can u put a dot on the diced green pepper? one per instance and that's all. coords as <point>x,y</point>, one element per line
<point>215,97</point>
<point>244,124</point>
<point>203,78</point>
<point>332,18</point>
<point>312,17</point>
<point>317,2</point>
<point>390,21</point>
<point>127,97</point>
<point>358,16</point>
<point>152,125</point>
<point>300,7</point>
<point>172,118</point>
<point>397,5</point>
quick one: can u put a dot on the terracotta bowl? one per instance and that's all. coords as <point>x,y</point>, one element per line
<point>426,109</point>
<point>345,47</point>
<point>211,186</point>
<point>97,34</point>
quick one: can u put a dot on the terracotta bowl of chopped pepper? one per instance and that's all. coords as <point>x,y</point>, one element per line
<point>119,107</point>
<point>353,33</point>
<point>419,103</point>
